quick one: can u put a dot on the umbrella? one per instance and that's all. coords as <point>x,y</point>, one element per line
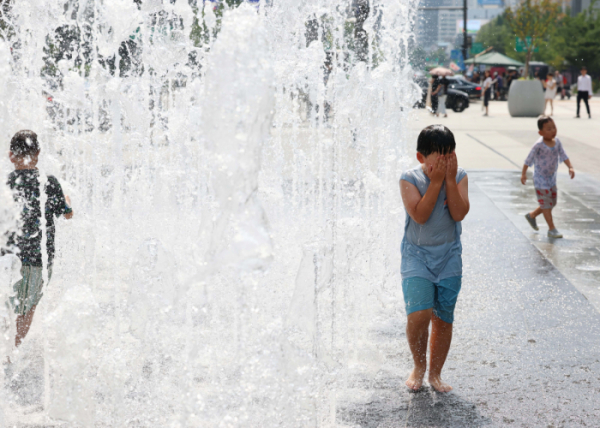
<point>441,71</point>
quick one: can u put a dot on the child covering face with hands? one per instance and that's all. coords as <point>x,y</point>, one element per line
<point>436,198</point>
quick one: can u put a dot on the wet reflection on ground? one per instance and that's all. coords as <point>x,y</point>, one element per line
<point>423,409</point>
<point>577,216</point>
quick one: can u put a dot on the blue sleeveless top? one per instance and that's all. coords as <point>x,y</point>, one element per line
<point>432,251</point>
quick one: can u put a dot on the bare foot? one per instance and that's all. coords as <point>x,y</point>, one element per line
<point>415,380</point>
<point>438,385</point>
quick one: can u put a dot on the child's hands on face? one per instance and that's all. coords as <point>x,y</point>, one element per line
<point>438,169</point>
<point>451,166</point>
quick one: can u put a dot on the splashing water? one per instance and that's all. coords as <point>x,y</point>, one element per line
<point>233,172</point>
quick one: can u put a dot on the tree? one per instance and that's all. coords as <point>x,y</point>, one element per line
<point>5,27</point>
<point>533,21</point>
<point>580,39</point>
<point>496,33</point>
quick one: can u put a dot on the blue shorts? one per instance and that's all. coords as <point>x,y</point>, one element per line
<point>421,294</point>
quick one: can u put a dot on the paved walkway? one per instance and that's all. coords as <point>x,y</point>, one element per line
<point>500,141</point>
<point>527,341</point>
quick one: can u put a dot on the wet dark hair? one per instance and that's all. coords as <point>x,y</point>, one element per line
<point>436,138</point>
<point>584,68</point>
<point>24,143</point>
<point>542,120</point>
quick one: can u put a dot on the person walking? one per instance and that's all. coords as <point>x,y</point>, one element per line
<point>550,85</point>
<point>435,89</point>
<point>487,91</point>
<point>558,78</point>
<point>442,92</point>
<point>584,91</point>
<point>500,94</point>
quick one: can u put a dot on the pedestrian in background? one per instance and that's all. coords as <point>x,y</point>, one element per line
<point>442,92</point>
<point>487,91</point>
<point>584,91</point>
<point>435,89</point>
<point>550,85</point>
<point>558,78</point>
<point>500,87</point>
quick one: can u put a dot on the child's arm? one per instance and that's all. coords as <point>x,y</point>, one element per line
<point>418,207</point>
<point>457,194</point>
<point>529,161</point>
<point>564,158</point>
<point>68,215</point>
<point>571,169</point>
<point>524,174</point>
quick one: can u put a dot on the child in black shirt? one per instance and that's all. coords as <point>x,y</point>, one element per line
<point>25,184</point>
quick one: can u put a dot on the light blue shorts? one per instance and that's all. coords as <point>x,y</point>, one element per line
<point>421,294</point>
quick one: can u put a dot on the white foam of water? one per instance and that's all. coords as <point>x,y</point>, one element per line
<point>589,268</point>
<point>235,229</point>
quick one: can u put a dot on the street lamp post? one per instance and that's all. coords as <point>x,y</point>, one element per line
<point>464,47</point>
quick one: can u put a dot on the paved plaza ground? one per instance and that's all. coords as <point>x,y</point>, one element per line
<point>502,142</point>
<point>526,349</point>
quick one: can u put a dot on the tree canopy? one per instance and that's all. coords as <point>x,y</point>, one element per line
<point>568,41</point>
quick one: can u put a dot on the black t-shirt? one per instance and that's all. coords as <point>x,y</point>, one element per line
<point>434,85</point>
<point>25,185</point>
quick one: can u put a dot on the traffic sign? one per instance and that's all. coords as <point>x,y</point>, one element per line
<point>521,46</point>
<point>457,57</point>
<point>476,48</point>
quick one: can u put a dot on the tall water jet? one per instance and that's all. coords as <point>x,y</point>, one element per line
<point>233,167</point>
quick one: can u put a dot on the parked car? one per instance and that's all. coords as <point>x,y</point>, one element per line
<point>457,100</point>
<point>473,90</point>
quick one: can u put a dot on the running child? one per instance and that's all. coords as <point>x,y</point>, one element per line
<point>547,153</point>
<point>436,199</point>
<point>25,183</point>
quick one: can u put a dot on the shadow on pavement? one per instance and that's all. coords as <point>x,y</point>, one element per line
<point>402,409</point>
<point>430,409</point>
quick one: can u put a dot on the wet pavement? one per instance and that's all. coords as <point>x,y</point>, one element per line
<point>526,347</point>
<point>577,216</point>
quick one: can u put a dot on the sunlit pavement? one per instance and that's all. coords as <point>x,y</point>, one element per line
<point>527,330</point>
<point>503,142</point>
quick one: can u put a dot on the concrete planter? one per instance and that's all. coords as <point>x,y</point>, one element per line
<point>526,98</point>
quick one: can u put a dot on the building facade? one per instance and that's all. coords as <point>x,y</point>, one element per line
<point>437,28</point>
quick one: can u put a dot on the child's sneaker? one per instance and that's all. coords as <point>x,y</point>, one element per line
<point>532,222</point>
<point>554,234</point>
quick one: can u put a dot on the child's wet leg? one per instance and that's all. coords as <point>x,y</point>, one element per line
<point>548,217</point>
<point>441,337</point>
<point>417,333</point>
<point>536,212</point>
<point>23,325</point>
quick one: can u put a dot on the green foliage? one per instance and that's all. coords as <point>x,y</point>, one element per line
<point>567,40</point>
<point>200,34</point>
<point>6,30</point>
<point>580,39</point>
<point>498,35</point>
<point>536,19</point>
